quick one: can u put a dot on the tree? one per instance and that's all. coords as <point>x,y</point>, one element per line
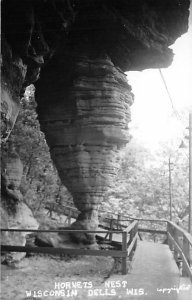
<point>142,186</point>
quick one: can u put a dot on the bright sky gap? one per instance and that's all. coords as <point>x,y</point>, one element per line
<point>160,116</point>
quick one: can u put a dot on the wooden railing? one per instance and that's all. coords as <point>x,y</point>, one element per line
<point>180,242</point>
<point>117,221</point>
<point>128,242</point>
<point>72,213</point>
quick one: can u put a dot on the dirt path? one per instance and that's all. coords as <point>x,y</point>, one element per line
<point>39,274</point>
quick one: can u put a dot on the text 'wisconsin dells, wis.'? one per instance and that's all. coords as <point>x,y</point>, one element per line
<point>82,289</point>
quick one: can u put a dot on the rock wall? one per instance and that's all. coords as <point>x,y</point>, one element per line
<point>22,219</point>
<point>12,79</point>
<point>11,174</point>
<point>14,213</point>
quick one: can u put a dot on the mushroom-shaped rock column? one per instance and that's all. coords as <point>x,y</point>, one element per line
<point>83,95</point>
<point>85,129</point>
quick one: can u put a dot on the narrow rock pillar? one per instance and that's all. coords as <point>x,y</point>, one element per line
<point>85,129</point>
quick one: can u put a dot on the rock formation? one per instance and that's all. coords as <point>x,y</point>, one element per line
<point>86,128</point>
<point>83,96</point>
<point>15,214</point>
<point>12,171</point>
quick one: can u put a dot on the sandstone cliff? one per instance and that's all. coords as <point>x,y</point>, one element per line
<point>83,48</point>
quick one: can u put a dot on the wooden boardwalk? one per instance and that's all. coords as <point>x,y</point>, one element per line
<point>154,269</point>
<point>154,276</point>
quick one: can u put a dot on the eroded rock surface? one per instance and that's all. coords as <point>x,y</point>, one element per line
<point>22,219</point>
<point>15,214</point>
<point>86,129</point>
<point>11,174</point>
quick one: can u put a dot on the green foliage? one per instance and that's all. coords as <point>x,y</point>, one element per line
<point>142,186</point>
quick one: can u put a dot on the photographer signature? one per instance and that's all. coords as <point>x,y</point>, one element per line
<point>182,287</point>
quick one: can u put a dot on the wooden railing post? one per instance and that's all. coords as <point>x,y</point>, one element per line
<point>186,251</point>
<point>111,228</point>
<point>119,222</point>
<point>131,235</point>
<point>69,217</point>
<point>124,248</point>
<point>169,240</point>
<point>175,252</point>
<point>136,232</point>
<point>181,243</point>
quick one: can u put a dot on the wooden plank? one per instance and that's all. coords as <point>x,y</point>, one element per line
<point>151,220</point>
<point>186,249</point>
<point>118,222</point>
<point>128,217</point>
<point>107,220</point>
<point>129,249</point>
<point>181,230</point>
<point>102,225</point>
<point>153,268</point>
<point>113,253</point>
<point>126,220</point>
<point>185,262</point>
<point>186,269</point>
<point>124,249</point>
<point>131,226</point>
<point>111,228</point>
<point>64,231</point>
<point>152,230</point>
